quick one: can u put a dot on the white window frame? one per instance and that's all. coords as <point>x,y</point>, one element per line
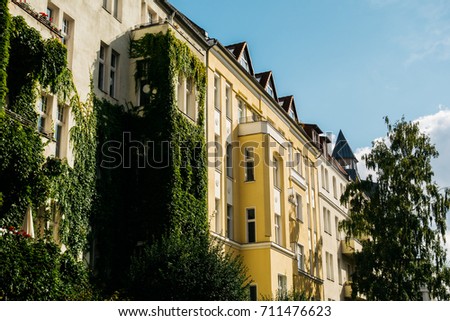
<point>113,74</point>
<point>42,114</point>
<point>277,225</point>
<point>299,207</point>
<point>228,102</point>
<point>300,257</point>
<point>217,92</point>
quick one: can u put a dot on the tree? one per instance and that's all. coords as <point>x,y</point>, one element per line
<point>399,216</point>
<point>187,268</point>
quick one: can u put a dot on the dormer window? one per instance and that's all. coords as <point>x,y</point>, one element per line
<point>270,90</point>
<point>291,113</point>
<point>315,137</point>
<point>244,63</point>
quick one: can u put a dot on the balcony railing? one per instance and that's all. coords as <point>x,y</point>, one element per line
<point>39,16</point>
<point>348,248</point>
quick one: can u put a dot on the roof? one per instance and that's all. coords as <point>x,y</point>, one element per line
<point>342,149</point>
<point>309,127</point>
<point>263,78</point>
<point>239,49</point>
<point>286,102</point>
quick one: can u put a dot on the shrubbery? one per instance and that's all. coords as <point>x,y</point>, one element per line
<point>36,270</point>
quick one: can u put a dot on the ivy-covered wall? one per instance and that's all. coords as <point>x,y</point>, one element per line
<point>139,204</point>
<point>5,21</point>
<point>26,176</point>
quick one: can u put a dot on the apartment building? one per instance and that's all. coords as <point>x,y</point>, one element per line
<point>335,172</point>
<point>273,187</point>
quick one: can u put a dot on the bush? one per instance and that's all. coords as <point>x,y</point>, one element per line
<point>187,269</point>
<point>36,270</point>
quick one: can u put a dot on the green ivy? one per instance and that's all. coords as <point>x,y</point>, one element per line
<point>27,177</point>
<point>5,22</point>
<point>138,205</point>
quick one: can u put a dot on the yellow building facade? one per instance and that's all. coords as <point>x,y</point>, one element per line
<point>262,178</point>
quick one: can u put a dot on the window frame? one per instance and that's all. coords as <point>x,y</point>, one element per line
<point>230,221</point>
<point>113,73</point>
<point>250,222</point>
<point>249,164</point>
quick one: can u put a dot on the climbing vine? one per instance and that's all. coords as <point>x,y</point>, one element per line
<point>27,177</point>
<point>164,59</point>
<point>5,21</point>
<point>158,186</point>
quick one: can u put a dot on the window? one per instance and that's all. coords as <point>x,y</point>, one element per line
<point>251,225</point>
<point>113,74</point>
<point>299,161</point>
<point>101,67</point>
<point>300,257</point>
<point>336,227</point>
<point>217,92</point>
<point>339,271</point>
<point>229,221</point>
<point>292,113</point>
<point>59,124</point>
<point>276,174</point>
<point>310,252</point>
<point>269,90</point>
<point>229,160</point>
<point>42,112</point>
<point>116,9</point>
<point>65,31</point>
<point>218,216</point>
<point>299,209</point>
<point>325,179</point>
<point>277,228</point>
<point>190,98</point>
<point>327,220</point>
<point>49,14</point>
<point>217,153</point>
<point>241,110</point>
<point>249,164</point>
<point>334,187</point>
<point>180,93</point>
<point>282,285</point>
<point>329,263</point>
<point>253,292</point>
<point>244,63</point>
<point>228,100</point>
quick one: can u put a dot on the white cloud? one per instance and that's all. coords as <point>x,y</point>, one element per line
<point>362,169</point>
<point>437,126</point>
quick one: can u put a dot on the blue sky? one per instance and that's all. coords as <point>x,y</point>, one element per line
<point>348,62</point>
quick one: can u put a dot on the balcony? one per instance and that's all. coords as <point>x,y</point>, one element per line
<point>348,290</point>
<point>39,16</point>
<point>298,179</point>
<point>349,248</point>
<point>260,127</point>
